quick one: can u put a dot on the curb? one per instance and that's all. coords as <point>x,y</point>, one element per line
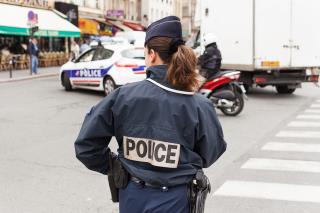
<point>28,78</point>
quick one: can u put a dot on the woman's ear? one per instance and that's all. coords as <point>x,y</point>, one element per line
<point>152,55</point>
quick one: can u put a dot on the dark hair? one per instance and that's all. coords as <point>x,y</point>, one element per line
<point>182,63</point>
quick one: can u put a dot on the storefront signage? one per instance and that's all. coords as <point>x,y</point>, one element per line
<point>115,13</point>
<point>32,3</point>
<point>32,19</point>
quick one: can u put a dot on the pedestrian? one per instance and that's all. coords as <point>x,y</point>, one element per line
<point>100,44</point>
<point>75,49</point>
<point>210,60</point>
<point>34,53</point>
<point>145,21</point>
<point>85,45</point>
<point>165,131</point>
<point>5,52</point>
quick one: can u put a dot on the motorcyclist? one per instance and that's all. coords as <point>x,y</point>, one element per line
<point>210,60</point>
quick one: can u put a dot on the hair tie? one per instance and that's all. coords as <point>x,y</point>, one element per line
<point>174,44</point>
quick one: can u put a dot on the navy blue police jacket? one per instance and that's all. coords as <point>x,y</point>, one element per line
<point>164,136</point>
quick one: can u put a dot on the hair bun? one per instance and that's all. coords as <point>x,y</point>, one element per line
<point>174,44</point>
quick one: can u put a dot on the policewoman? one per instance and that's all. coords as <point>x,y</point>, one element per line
<point>165,131</point>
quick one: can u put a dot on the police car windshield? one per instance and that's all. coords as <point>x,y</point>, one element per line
<point>137,53</point>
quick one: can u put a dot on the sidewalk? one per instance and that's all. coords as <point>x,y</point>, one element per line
<point>20,75</point>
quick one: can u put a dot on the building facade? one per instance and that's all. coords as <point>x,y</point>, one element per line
<point>124,9</point>
<point>184,9</point>
<point>135,10</point>
<point>187,14</point>
<point>157,9</point>
<point>87,8</point>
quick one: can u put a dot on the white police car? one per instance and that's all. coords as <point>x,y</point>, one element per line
<point>104,68</point>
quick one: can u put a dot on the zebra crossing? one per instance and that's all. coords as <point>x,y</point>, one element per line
<point>301,138</point>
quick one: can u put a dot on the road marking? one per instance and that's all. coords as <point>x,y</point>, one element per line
<point>304,124</point>
<point>315,106</point>
<point>291,147</point>
<point>298,134</point>
<point>311,117</point>
<point>312,111</point>
<point>272,191</point>
<point>282,165</point>
<point>318,101</point>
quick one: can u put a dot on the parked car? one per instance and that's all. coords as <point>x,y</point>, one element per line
<point>104,68</point>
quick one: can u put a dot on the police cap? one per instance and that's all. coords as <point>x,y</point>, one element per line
<point>169,26</point>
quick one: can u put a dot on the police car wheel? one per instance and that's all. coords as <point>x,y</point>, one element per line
<point>108,85</point>
<point>66,82</point>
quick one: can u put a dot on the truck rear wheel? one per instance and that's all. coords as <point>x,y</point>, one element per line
<point>247,87</point>
<point>284,89</point>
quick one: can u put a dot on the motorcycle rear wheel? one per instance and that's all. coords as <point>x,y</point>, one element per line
<point>237,107</point>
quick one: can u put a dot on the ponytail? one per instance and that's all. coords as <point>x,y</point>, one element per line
<point>182,69</point>
<point>182,74</point>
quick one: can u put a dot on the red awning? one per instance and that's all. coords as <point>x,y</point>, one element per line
<point>134,26</point>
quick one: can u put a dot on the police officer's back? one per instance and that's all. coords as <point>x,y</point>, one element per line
<point>165,132</point>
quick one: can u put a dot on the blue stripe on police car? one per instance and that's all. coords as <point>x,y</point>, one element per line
<point>88,73</point>
<point>139,68</point>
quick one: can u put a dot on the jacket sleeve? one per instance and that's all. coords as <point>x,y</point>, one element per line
<point>210,144</point>
<point>95,135</point>
<point>203,59</point>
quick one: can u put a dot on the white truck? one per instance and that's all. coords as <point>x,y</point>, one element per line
<point>272,42</point>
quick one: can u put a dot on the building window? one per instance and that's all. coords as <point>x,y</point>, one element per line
<point>98,4</point>
<point>185,11</point>
<point>78,2</point>
<point>152,17</point>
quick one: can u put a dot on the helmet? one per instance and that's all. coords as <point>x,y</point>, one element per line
<point>209,38</point>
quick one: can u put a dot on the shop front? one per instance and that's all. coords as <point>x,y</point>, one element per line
<point>88,27</point>
<point>52,33</point>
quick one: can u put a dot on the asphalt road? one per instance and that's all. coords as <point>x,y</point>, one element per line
<point>268,167</point>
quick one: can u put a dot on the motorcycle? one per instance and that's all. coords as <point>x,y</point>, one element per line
<point>225,92</point>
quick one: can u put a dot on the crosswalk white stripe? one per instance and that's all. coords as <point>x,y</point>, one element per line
<point>315,106</point>
<point>304,124</point>
<point>291,147</point>
<point>282,165</point>
<point>272,191</point>
<point>313,111</point>
<point>311,117</point>
<point>298,134</point>
<point>318,101</point>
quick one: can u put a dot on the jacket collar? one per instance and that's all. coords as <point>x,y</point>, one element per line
<point>158,74</point>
